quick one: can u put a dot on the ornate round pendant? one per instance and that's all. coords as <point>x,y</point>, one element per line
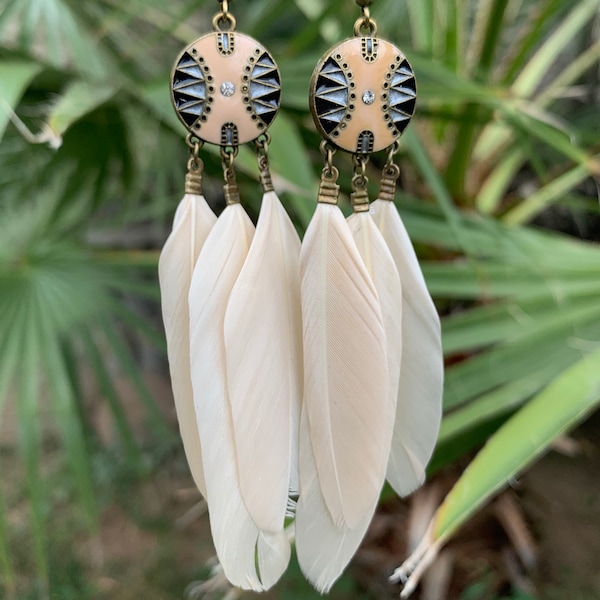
<point>363,95</point>
<point>226,88</point>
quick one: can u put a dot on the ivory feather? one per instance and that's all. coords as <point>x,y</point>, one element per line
<point>346,379</point>
<point>324,550</point>
<point>384,273</point>
<point>193,221</point>
<point>263,342</point>
<point>273,552</point>
<point>237,539</point>
<point>419,408</point>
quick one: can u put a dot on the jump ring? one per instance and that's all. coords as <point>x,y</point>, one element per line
<point>359,182</point>
<point>223,18</point>
<point>392,171</point>
<point>360,162</point>
<point>331,173</point>
<point>367,24</point>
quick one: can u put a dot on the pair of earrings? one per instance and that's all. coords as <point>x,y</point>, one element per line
<point>307,373</point>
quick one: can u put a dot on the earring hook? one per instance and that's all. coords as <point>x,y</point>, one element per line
<point>365,22</point>
<point>224,18</point>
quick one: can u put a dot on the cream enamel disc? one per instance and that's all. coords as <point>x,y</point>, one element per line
<point>363,95</point>
<point>226,88</point>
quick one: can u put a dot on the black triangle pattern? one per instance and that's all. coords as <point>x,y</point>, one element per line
<point>332,95</point>
<point>189,89</point>
<point>265,88</point>
<point>402,96</point>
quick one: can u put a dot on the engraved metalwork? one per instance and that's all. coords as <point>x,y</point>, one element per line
<point>230,135</point>
<point>190,91</point>
<point>366,140</point>
<point>226,88</point>
<point>362,94</point>
<point>402,95</point>
<point>265,89</point>
<point>370,48</point>
<point>226,42</point>
<point>332,95</point>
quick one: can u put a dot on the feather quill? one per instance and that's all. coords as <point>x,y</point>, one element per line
<point>419,407</point>
<point>238,541</point>
<point>263,342</point>
<point>193,221</point>
<point>346,380</point>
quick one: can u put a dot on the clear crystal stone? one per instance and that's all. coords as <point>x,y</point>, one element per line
<point>227,89</point>
<point>368,97</point>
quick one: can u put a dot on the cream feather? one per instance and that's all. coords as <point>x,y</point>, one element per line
<point>346,380</point>
<point>324,550</point>
<point>384,273</point>
<point>193,221</point>
<point>273,552</point>
<point>419,408</point>
<point>238,540</point>
<point>263,342</point>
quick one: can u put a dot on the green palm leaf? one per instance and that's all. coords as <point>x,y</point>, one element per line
<point>555,410</point>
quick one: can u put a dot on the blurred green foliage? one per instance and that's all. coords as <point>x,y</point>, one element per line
<point>91,168</point>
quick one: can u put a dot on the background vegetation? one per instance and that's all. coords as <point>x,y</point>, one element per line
<point>499,174</point>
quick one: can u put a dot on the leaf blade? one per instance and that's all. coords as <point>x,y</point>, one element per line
<point>15,77</point>
<point>575,393</point>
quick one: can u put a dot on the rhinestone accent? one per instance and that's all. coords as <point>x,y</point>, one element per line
<point>368,97</point>
<point>227,89</point>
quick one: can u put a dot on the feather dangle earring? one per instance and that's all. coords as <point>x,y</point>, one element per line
<point>263,341</point>
<point>193,221</point>
<point>420,390</point>
<point>373,363</point>
<point>231,304</point>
